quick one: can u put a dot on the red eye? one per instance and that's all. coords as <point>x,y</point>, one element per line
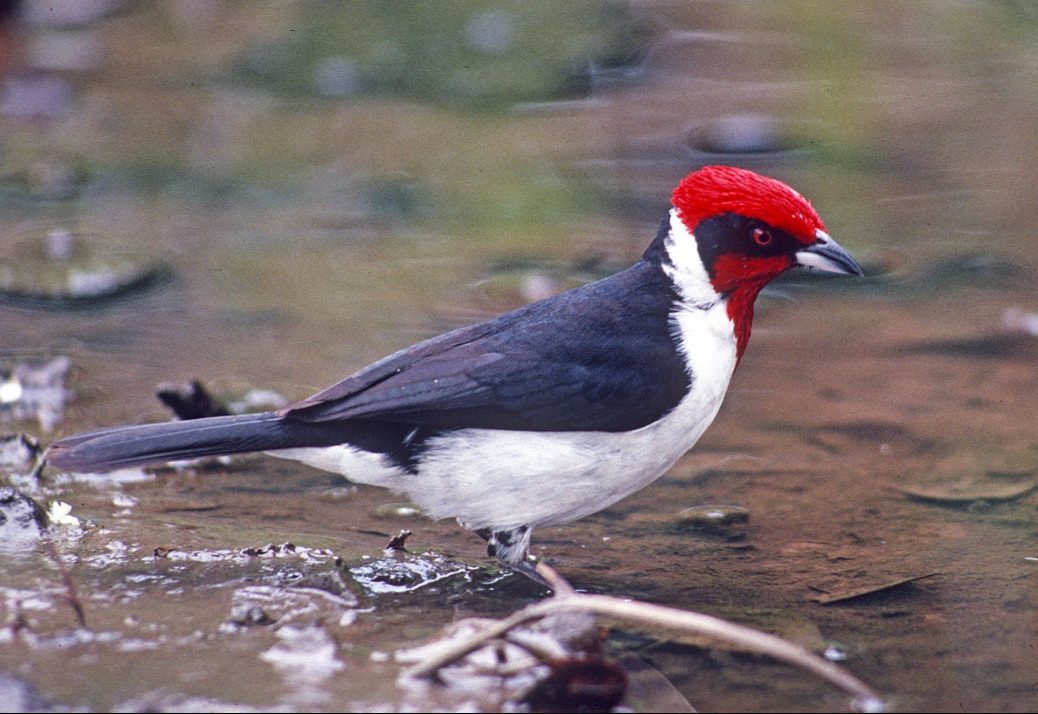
<point>761,236</point>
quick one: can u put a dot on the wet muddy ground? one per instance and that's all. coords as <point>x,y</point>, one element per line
<point>296,218</point>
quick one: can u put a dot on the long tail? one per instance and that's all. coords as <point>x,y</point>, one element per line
<point>213,436</point>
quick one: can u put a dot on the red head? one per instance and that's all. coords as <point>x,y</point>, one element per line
<point>748,229</point>
<point>727,189</point>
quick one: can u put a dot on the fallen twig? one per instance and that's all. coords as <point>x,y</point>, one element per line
<point>658,617</point>
<point>71,596</point>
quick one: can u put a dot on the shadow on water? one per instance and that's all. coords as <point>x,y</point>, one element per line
<point>267,196</point>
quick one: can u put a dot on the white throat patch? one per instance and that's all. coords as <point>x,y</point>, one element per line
<point>686,267</point>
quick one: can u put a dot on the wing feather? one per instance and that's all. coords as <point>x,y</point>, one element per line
<point>579,361</point>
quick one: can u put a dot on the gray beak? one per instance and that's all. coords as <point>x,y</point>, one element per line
<point>827,255</point>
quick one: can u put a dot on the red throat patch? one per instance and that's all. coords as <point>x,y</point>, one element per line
<point>714,190</point>
<point>742,282</point>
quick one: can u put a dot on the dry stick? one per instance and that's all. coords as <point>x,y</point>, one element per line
<point>71,596</point>
<point>665,618</point>
<point>70,587</point>
<point>558,584</point>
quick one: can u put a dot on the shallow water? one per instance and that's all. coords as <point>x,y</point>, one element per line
<point>316,213</point>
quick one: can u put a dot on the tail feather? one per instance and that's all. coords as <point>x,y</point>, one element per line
<point>125,446</point>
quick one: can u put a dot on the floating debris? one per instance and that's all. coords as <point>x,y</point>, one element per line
<point>270,550</point>
<point>286,550</point>
<point>397,541</point>
<point>834,595</point>
<point>190,400</point>
<point>514,281</point>
<point>60,514</point>
<point>34,392</point>
<point>193,400</point>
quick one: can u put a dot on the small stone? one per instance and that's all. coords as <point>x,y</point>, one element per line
<point>22,521</point>
<point>835,653</point>
<point>18,452</point>
<point>713,516</point>
<point>406,511</point>
<point>247,614</point>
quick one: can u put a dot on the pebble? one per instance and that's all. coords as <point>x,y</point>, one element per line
<point>403,510</point>
<point>18,452</point>
<point>22,521</point>
<point>713,516</point>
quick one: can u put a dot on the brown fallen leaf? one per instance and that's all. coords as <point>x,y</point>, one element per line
<point>970,491</point>
<point>829,598</point>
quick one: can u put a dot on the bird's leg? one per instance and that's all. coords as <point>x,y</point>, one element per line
<point>511,548</point>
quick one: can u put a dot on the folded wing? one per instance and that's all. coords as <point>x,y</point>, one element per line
<point>597,358</point>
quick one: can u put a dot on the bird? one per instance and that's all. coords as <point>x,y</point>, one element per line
<point>553,411</point>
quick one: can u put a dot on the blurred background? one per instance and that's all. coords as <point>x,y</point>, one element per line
<point>266,196</point>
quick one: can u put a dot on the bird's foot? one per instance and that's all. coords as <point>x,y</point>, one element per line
<point>511,547</point>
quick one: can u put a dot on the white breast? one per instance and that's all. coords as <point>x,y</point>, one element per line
<point>505,479</point>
